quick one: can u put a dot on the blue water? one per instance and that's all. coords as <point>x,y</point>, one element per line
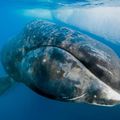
<point>20,103</point>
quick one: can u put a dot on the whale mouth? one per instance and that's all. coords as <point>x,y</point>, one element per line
<point>96,92</point>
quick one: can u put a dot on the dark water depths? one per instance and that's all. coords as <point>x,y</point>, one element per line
<point>20,103</point>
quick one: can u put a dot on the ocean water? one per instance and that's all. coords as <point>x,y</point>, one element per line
<point>98,19</point>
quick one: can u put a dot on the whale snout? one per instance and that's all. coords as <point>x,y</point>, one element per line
<point>102,94</point>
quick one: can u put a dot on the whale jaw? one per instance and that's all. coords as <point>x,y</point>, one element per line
<point>101,94</point>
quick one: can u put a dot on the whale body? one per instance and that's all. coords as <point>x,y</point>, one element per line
<point>62,64</point>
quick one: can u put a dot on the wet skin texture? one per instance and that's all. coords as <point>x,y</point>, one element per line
<point>63,64</point>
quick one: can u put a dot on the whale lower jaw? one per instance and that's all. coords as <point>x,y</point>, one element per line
<point>103,95</point>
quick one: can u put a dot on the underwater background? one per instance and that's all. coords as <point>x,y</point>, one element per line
<point>99,19</point>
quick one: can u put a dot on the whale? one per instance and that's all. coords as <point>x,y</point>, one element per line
<point>61,64</point>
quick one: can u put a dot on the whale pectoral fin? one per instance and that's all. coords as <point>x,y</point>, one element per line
<point>5,83</point>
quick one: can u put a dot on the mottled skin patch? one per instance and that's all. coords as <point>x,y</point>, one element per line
<point>46,75</point>
<point>45,56</point>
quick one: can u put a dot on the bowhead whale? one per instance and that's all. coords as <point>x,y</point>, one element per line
<point>62,64</point>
